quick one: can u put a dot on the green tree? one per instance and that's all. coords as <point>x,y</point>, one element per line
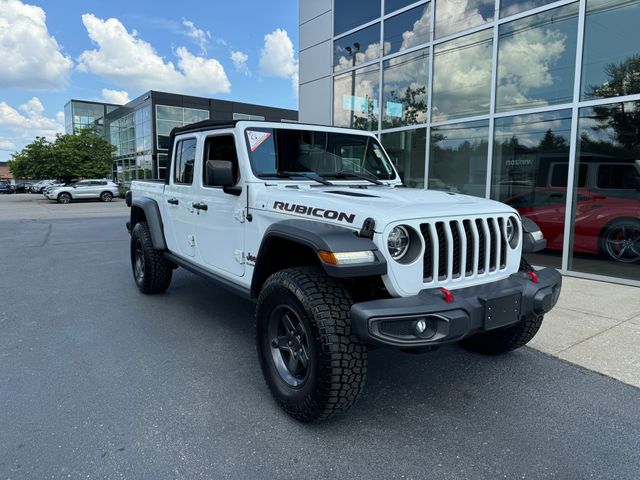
<point>624,122</point>
<point>81,155</point>
<point>33,160</point>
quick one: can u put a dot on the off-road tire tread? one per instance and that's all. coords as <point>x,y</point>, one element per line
<point>343,358</point>
<point>158,270</point>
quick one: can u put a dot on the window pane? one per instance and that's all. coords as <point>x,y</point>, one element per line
<point>525,150</point>
<point>348,14</point>
<point>409,29</point>
<point>456,16</point>
<point>407,152</point>
<point>462,76</point>
<point>355,49</point>
<point>458,158</point>
<point>192,115</point>
<point>166,112</point>
<point>405,83</point>
<point>611,61</point>
<point>511,7</point>
<point>185,160</point>
<point>536,59</point>
<point>606,216</point>
<point>355,101</point>
<point>393,5</point>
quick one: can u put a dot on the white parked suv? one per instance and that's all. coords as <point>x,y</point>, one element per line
<point>103,190</point>
<point>314,224</point>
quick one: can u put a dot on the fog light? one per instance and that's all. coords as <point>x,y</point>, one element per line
<point>421,326</point>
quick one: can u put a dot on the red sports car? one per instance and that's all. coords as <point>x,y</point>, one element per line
<point>603,224</point>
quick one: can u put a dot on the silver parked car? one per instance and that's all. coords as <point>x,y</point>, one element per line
<point>103,190</point>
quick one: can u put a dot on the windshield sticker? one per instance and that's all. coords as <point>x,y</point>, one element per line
<point>256,139</point>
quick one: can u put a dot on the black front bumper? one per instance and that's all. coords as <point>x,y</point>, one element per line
<point>394,321</point>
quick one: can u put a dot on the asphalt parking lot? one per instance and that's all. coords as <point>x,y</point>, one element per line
<point>100,381</point>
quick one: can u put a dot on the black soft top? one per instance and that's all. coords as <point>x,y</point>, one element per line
<point>204,125</point>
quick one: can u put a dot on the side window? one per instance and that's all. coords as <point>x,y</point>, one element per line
<point>221,147</point>
<point>623,177</point>
<point>185,158</point>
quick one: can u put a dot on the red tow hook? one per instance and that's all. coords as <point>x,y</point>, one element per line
<point>534,277</point>
<point>448,297</point>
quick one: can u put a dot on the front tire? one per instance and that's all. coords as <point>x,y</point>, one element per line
<point>620,242</point>
<point>312,364</point>
<point>506,339</point>
<point>151,271</point>
<point>64,198</point>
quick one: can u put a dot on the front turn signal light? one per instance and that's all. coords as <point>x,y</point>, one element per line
<point>347,258</point>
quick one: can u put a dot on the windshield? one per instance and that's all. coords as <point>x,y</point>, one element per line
<point>275,153</point>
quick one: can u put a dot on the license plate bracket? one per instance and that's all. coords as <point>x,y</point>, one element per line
<point>502,311</point>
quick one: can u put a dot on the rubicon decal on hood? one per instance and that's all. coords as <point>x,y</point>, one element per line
<point>315,212</point>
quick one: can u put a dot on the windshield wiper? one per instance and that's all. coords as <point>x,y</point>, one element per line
<point>354,174</point>
<point>310,175</point>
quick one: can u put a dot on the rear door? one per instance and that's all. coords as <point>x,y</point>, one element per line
<point>178,198</point>
<point>81,189</point>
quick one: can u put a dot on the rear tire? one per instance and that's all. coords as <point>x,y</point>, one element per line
<point>151,271</point>
<point>504,340</point>
<point>106,196</point>
<point>305,312</point>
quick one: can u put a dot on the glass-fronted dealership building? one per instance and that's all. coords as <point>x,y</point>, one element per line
<point>140,129</point>
<point>529,102</point>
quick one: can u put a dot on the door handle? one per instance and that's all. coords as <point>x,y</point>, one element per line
<point>200,206</point>
<point>173,201</point>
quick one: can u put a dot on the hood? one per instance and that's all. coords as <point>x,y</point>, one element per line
<point>350,206</point>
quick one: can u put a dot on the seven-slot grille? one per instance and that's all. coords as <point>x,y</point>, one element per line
<point>464,247</point>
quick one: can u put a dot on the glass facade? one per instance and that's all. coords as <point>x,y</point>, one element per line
<point>170,117</point>
<point>80,114</point>
<point>530,102</point>
<point>131,135</point>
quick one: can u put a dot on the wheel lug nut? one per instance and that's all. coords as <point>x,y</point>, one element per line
<point>274,343</point>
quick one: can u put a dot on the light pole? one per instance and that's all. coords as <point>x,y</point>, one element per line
<point>353,52</point>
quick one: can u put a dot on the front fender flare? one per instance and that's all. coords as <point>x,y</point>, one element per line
<point>318,236</point>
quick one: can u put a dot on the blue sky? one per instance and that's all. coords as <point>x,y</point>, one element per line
<point>53,50</point>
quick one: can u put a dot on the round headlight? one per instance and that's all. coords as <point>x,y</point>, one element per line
<point>398,242</point>
<point>512,228</point>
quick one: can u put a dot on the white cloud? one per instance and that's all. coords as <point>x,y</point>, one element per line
<point>462,77</point>
<point>17,129</point>
<point>7,145</point>
<point>201,37</point>
<point>458,15</point>
<point>240,61</point>
<point>127,60</point>
<point>277,58</point>
<point>117,97</point>
<point>31,58</point>
<point>527,60</point>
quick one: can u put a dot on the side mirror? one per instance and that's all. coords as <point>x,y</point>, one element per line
<point>219,173</point>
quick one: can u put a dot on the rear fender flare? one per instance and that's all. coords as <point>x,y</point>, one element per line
<point>146,209</point>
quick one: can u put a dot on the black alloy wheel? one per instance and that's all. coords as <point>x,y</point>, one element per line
<point>289,345</point>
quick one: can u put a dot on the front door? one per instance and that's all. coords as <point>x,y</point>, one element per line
<point>220,227</point>
<point>178,199</point>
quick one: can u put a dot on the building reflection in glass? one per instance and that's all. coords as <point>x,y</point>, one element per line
<point>606,213</point>
<point>530,170</point>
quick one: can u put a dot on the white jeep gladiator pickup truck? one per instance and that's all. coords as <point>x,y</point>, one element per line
<point>314,224</point>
